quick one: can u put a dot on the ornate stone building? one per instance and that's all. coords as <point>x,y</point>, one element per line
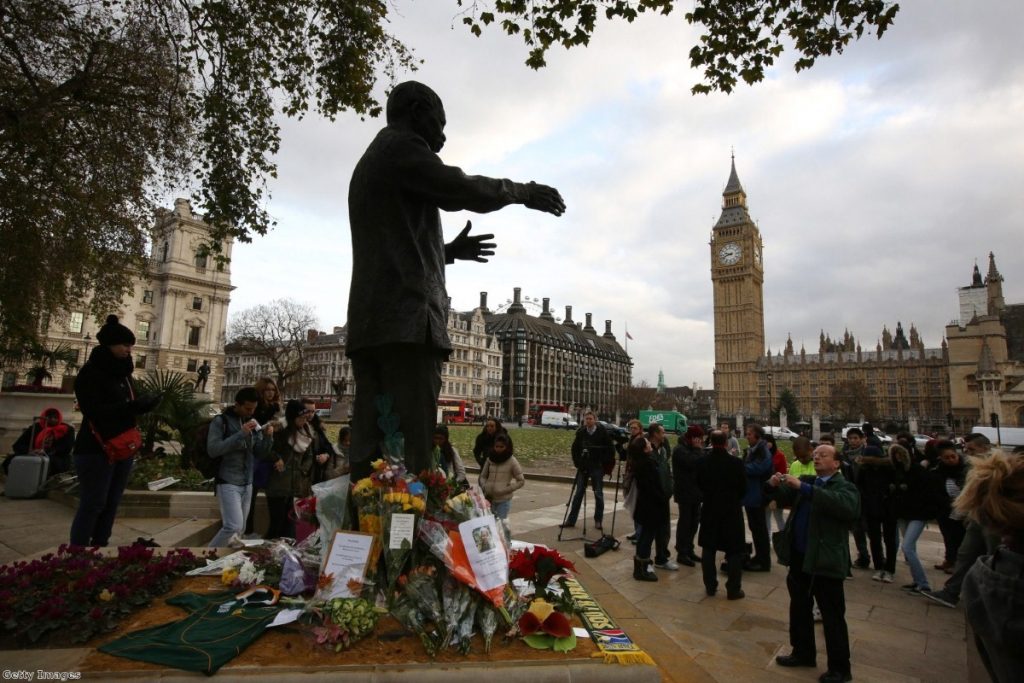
<point>986,354</point>
<point>473,372</point>
<point>326,375</point>
<point>177,307</point>
<point>547,361</point>
<point>903,378</point>
<point>472,375</point>
<point>737,278</point>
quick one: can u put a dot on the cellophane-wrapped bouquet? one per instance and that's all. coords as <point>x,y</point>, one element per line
<point>402,498</point>
<point>419,608</point>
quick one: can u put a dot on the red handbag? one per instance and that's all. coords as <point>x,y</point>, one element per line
<point>121,447</point>
<point>124,445</point>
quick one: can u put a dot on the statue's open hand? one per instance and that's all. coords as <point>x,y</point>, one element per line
<point>544,198</point>
<point>467,248</point>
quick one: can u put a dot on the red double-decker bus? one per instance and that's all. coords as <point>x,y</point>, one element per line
<point>454,410</point>
<point>537,408</point>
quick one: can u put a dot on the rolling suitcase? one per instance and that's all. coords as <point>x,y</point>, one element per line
<point>27,476</point>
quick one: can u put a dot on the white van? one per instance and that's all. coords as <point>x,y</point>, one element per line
<point>550,418</point>
<point>1010,437</point>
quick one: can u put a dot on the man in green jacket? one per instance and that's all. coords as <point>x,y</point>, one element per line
<point>815,546</point>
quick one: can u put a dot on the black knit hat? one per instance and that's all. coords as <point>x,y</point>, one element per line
<point>114,332</point>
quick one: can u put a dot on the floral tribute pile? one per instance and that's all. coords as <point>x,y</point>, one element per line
<point>79,593</point>
<point>441,567</point>
<point>440,563</point>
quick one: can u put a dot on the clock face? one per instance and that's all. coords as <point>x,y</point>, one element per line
<point>730,254</point>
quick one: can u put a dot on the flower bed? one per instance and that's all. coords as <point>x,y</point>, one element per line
<point>78,593</point>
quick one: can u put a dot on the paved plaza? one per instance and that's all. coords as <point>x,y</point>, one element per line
<point>693,638</point>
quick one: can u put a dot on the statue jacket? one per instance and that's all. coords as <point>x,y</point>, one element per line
<point>398,290</point>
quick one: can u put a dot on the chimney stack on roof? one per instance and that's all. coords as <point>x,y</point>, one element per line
<point>545,314</point>
<point>589,327</point>
<point>608,330</point>
<point>517,304</point>
<point>568,317</point>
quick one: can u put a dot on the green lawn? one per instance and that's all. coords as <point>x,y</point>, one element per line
<point>532,444</point>
<point>538,449</point>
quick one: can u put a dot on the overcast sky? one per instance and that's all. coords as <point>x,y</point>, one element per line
<point>877,179</point>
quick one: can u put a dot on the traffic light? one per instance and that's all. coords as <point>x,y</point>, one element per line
<point>994,420</point>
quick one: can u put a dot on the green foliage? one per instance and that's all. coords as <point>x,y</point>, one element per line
<point>741,38</point>
<point>850,399</point>
<point>110,104</point>
<point>41,357</point>
<point>179,411</point>
<point>153,466</point>
<point>787,400</point>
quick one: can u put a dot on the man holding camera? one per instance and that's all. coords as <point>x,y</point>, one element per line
<point>591,448</point>
<point>237,440</point>
<point>815,545</point>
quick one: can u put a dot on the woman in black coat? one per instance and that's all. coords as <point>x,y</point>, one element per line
<point>485,439</point>
<point>944,485</point>
<point>109,406</point>
<point>652,506</point>
<point>722,481</point>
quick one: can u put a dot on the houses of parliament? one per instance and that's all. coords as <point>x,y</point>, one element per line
<point>976,371</point>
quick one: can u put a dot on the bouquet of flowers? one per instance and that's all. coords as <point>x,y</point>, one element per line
<point>458,614</point>
<point>331,506</point>
<point>487,621</point>
<point>399,512</point>
<point>448,546</point>
<point>545,624</point>
<point>261,566</point>
<point>438,491</point>
<point>538,565</point>
<point>343,621</point>
<point>419,607</point>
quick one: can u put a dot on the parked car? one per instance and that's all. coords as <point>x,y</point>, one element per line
<point>614,429</point>
<point>921,440</point>
<point>781,433</point>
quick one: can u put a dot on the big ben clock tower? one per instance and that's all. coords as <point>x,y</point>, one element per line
<point>737,278</point>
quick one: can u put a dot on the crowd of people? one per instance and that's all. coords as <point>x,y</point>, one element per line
<point>883,497</point>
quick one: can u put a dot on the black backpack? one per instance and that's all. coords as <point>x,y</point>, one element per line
<point>201,460</point>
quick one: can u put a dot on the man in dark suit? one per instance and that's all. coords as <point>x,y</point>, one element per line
<point>723,483</point>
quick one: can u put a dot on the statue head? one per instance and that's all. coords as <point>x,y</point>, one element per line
<point>415,106</point>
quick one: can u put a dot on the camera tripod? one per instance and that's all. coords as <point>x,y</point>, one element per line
<point>579,480</point>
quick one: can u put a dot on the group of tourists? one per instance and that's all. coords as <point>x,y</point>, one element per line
<point>885,496</point>
<point>259,443</point>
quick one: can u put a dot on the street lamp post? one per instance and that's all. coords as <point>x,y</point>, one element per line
<point>770,400</point>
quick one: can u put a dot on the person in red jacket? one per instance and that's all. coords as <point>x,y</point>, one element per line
<point>50,435</point>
